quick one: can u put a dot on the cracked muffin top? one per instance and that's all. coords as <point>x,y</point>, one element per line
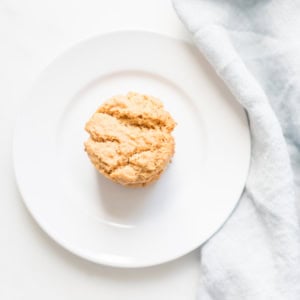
<point>130,139</point>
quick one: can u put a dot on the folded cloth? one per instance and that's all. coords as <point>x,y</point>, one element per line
<point>254,46</point>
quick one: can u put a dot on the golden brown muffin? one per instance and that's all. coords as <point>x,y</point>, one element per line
<point>130,139</point>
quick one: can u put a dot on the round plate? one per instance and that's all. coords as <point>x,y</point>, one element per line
<point>100,220</point>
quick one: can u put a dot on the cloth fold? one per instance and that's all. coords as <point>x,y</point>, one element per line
<point>254,46</point>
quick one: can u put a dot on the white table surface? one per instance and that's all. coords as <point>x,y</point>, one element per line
<point>32,266</point>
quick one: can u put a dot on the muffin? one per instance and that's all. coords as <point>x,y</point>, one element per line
<point>130,139</point>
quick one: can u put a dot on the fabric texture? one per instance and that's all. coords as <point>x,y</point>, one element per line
<point>254,46</point>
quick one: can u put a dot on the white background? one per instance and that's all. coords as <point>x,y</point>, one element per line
<point>32,266</point>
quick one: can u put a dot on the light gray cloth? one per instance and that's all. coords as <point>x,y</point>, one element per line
<point>254,46</point>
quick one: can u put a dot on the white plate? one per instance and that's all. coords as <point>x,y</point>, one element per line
<point>103,221</point>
